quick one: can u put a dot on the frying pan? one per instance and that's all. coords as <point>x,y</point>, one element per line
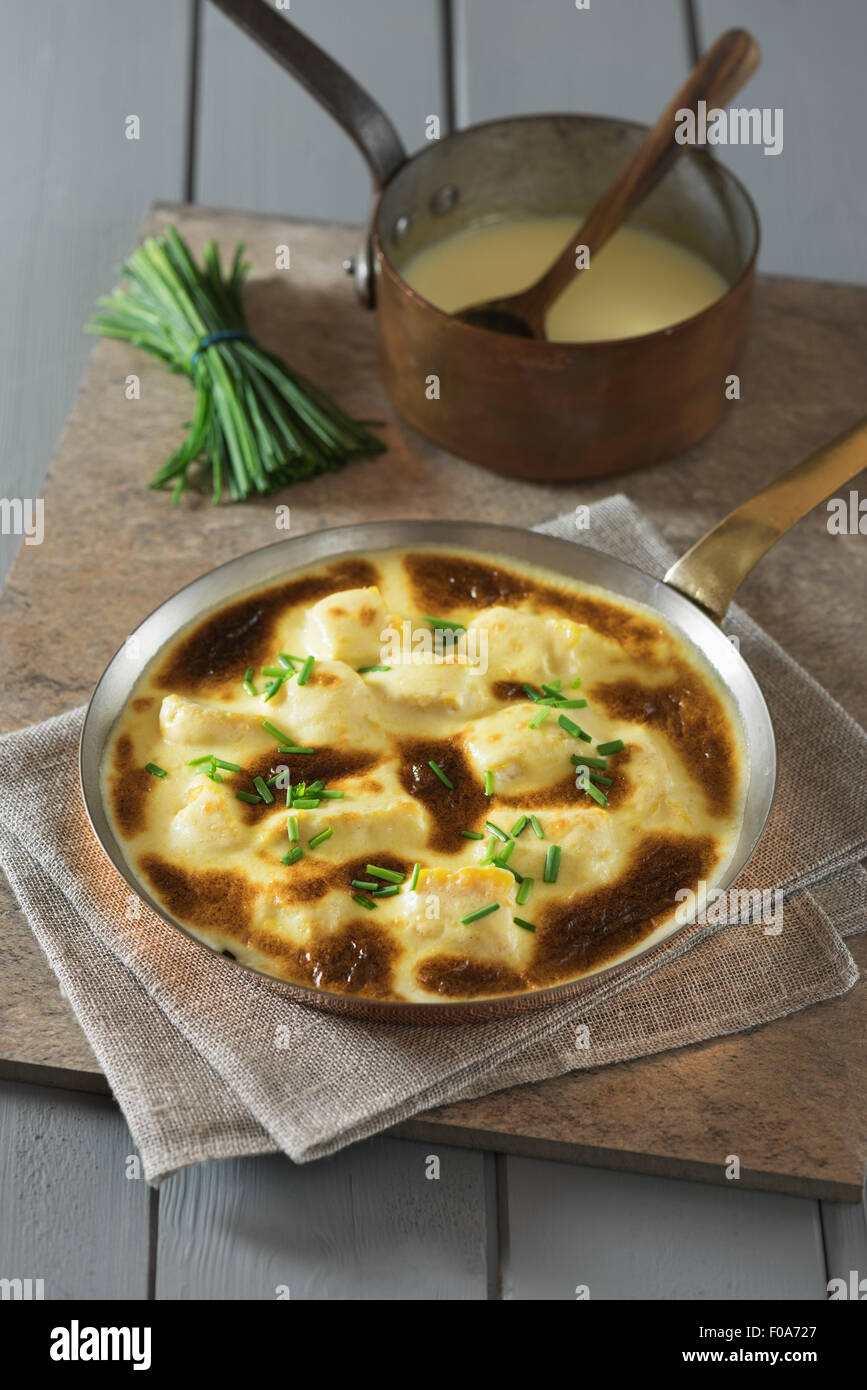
<point>693,598</point>
<point>530,408</point>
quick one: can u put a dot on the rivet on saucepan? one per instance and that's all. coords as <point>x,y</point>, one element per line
<point>444,199</point>
<point>349,265</point>
<point>401,227</point>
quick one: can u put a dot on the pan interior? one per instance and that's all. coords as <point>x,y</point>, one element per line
<point>557,164</point>
<point>255,571</point>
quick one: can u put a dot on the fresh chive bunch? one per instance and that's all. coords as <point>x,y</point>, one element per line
<point>257,425</point>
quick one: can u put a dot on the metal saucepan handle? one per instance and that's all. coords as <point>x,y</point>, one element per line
<point>331,85</point>
<point>716,565</point>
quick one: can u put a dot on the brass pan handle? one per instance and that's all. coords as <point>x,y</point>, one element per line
<point>716,565</point>
<point>331,85</point>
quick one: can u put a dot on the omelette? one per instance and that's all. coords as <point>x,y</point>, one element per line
<point>427,775</point>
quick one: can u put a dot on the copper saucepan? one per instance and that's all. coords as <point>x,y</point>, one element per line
<point>523,407</point>
<point>693,599</point>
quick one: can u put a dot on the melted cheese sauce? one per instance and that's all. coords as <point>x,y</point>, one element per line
<point>675,793</point>
<point>639,282</point>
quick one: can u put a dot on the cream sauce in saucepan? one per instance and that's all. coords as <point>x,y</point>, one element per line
<point>639,282</point>
<point>674,792</point>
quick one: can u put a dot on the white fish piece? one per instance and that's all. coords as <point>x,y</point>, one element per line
<point>346,626</point>
<point>523,646</point>
<point>207,822</point>
<point>197,725</point>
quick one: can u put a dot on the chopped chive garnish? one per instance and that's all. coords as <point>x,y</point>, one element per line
<point>519,825</point>
<point>304,673</point>
<point>552,864</point>
<point>481,912</point>
<point>572,728</point>
<point>597,777</point>
<point>274,671</point>
<point>552,688</point>
<point>441,775</point>
<point>560,703</point>
<point>472,835</point>
<point>540,717</point>
<point>363,670</point>
<point>615,746</point>
<point>208,758</point>
<point>155,770</point>
<point>264,790</point>
<point>597,795</point>
<point>495,830</point>
<point>275,732</point>
<point>230,767</point>
<point>491,852</point>
<point>524,891</point>
<point>292,828</point>
<point>271,690</point>
<point>533,694</point>
<point>332,796</point>
<point>250,799</point>
<point>582,760</point>
<point>315,788</point>
<point>248,682</point>
<point>388,874</point>
<point>363,901</point>
<point>293,856</point>
<point>500,863</point>
<point>388,891</point>
<point>320,838</point>
<point>363,883</point>
<point>504,854</point>
<point>534,821</point>
<point>489,783</point>
<point>519,922</point>
<point>292,748</point>
<point>576,682</point>
<point>445,623</point>
<point>413,883</point>
<point>306,803</point>
<point>286,661</point>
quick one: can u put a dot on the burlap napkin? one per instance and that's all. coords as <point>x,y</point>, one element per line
<point>207,1063</point>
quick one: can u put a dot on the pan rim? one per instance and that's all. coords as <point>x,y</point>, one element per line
<point>342,541</point>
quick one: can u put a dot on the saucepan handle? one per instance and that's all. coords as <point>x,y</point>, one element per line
<point>716,565</point>
<point>331,85</point>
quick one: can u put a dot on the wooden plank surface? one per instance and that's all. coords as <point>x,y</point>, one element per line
<point>70,1214</point>
<point>807,593</point>
<point>372,1222</point>
<point>844,1229</point>
<point>812,197</point>
<point>263,143</point>
<point>74,193</point>
<point>616,58</point>
<point>622,1236</point>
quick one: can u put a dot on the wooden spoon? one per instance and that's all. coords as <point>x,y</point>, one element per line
<point>721,72</point>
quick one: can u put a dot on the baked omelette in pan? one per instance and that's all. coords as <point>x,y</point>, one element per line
<point>427,775</point>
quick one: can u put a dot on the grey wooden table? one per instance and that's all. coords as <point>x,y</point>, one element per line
<point>382,1221</point>
<point>221,125</point>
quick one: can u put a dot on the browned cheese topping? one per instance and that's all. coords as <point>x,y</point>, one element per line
<point>374,778</point>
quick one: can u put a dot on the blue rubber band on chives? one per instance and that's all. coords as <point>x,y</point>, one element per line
<point>225,335</point>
